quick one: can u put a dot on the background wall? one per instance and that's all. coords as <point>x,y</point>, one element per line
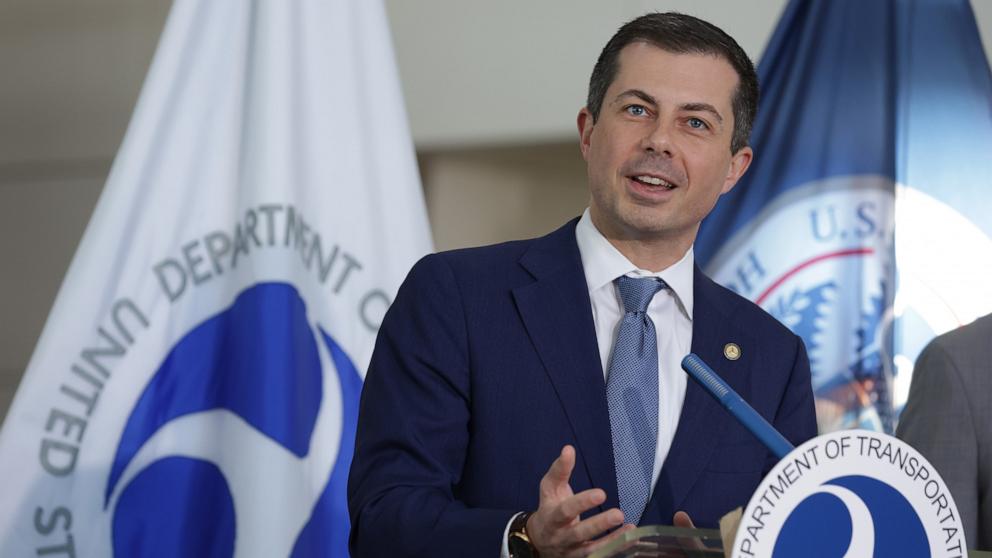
<point>492,90</point>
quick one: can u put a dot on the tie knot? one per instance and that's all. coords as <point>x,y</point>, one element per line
<point>637,292</point>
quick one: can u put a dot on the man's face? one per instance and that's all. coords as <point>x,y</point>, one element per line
<point>659,155</point>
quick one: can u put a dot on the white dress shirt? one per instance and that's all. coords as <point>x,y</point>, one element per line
<point>670,310</point>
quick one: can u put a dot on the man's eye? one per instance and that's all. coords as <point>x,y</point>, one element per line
<point>697,124</point>
<point>636,110</point>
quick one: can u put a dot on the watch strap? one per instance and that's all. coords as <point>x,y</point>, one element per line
<point>518,541</point>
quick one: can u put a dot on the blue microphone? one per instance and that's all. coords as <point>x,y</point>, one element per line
<point>706,377</point>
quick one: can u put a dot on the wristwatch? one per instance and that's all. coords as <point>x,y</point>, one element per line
<point>517,540</point>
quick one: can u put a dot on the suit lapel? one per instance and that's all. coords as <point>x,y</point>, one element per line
<point>557,314</point>
<point>703,420</point>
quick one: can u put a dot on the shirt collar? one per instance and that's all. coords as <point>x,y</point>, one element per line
<point>602,263</point>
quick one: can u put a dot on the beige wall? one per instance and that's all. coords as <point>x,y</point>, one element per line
<point>482,196</point>
<point>69,76</point>
<point>42,220</point>
<point>516,70</point>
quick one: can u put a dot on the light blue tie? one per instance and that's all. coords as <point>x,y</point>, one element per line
<point>632,394</point>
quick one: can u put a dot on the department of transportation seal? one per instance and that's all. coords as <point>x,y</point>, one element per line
<point>852,493</point>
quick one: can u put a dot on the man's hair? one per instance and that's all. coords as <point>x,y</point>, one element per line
<point>681,34</point>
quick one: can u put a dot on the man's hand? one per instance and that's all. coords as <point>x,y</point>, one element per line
<point>555,528</point>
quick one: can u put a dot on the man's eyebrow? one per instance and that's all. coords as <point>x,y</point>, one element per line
<point>703,107</point>
<point>636,93</point>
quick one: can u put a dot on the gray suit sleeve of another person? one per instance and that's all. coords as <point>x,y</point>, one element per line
<point>948,419</point>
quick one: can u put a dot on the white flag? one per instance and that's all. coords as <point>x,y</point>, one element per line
<point>195,390</point>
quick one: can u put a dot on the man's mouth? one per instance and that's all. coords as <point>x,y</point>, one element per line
<point>648,180</point>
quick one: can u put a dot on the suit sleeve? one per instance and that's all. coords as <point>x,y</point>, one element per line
<point>796,415</point>
<point>413,431</point>
<point>938,422</point>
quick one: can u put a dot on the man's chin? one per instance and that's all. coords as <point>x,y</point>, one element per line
<point>646,224</point>
<point>636,222</point>
<point>657,228</point>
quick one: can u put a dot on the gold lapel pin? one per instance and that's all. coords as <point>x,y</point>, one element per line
<point>732,351</point>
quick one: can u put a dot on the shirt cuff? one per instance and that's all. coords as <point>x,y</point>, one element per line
<point>505,551</point>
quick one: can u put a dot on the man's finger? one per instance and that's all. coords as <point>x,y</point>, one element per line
<point>592,546</point>
<point>560,470</point>
<point>570,508</point>
<point>590,528</point>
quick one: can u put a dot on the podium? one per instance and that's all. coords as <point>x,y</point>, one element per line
<point>661,541</point>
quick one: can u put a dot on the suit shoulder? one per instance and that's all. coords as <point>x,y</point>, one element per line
<point>960,353</point>
<point>970,338</point>
<point>471,268</point>
<point>484,257</point>
<point>514,262</point>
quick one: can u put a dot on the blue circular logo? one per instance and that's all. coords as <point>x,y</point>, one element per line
<point>229,416</point>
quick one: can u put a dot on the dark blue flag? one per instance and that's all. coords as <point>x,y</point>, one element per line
<point>863,222</point>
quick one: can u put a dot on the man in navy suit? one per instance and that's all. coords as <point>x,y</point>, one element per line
<point>485,420</point>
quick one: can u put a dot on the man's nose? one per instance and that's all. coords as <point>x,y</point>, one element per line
<point>658,139</point>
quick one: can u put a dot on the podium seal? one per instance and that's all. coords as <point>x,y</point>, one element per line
<point>851,493</point>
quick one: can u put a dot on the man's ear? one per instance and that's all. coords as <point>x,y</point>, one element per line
<point>585,123</point>
<point>738,165</point>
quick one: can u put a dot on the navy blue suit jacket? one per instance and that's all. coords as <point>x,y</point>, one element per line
<point>487,364</point>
